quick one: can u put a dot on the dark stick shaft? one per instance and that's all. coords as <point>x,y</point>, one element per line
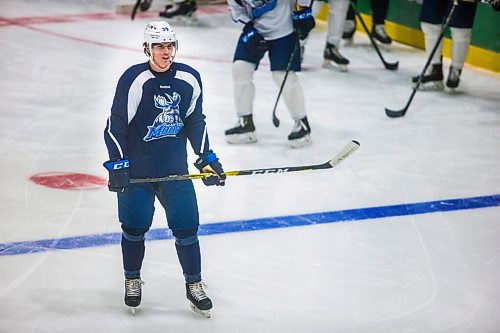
<point>134,10</point>
<point>276,121</point>
<point>402,112</point>
<point>387,65</point>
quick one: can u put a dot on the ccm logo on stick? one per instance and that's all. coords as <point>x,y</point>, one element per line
<point>256,172</point>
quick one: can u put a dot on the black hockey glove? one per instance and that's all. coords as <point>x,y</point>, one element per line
<point>303,22</point>
<point>253,41</point>
<point>119,177</point>
<point>209,162</point>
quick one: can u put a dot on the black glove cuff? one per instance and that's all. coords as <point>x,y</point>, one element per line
<point>248,26</point>
<point>205,159</point>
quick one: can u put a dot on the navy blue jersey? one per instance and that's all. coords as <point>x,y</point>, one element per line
<point>152,117</point>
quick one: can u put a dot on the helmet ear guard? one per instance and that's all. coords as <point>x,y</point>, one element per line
<point>147,50</point>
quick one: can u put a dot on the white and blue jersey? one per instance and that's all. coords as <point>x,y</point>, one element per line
<point>152,117</point>
<point>272,18</point>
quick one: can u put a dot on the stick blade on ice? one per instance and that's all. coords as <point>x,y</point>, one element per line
<point>348,150</point>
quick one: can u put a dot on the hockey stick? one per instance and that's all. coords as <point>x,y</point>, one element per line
<point>388,65</point>
<point>402,112</point>
<point>350,148</point>
<point>134,10</point>
<point>276,121</point>
<point>144,5</point>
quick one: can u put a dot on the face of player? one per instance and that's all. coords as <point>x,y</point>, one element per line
<point>163,56</point>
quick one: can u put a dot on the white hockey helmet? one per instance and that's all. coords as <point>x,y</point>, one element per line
<point>159,32</point>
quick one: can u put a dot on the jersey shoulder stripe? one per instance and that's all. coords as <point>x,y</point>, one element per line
<point>192,77</point>
<point>135,93</point>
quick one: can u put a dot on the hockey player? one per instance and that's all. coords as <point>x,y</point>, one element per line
<point>180,8</point>
<point>336,20</point>
<point>157,108</point>
<point>432,16</point>
<point>379,14</point>
<point>183,9</point>
<point>274,26</point>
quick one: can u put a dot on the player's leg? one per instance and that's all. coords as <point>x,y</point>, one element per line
<point>181,208</point>
<point>245,64</point>
<point>338,10</point>
<point>315,9</point>
<point>350,24</point>
<point>431,22</point>
<point>379,14</point>
<point>280,54</point>
<point>336,22</point>
<point>461,27</point>
<point>189,254</point>
<point>135,211</point>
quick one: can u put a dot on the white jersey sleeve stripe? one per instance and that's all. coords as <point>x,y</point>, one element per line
<point>191,80</point>
<point>114,138</point>
<point>203,140</point>
<point>135,93</point>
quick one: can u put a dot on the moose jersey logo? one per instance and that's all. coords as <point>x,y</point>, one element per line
<point>168,123</point>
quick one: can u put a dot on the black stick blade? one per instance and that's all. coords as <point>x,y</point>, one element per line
<point>391,65</point>
<point>395,113</point>
<point>276,121</point>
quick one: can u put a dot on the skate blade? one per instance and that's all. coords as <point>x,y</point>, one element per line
<point>431,86</point>
<point>348,41</point>
<point>302,142</point>
<point>241,138</point>
<point>331,65</point>
<point>203,313</point>
<point>453,91</point>
<point>133,310</point>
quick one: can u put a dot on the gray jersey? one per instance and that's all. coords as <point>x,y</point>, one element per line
<point>272,18</point>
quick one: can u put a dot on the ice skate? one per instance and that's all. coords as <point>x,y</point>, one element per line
<point>243,132</point>
<point>182,12</point>
<point>199,301</point>
<point>453,77</point>
<point>333,59</point>
<point>133,293</point>
<point>432,80</point>
<point>301,134</point>
<point>379,34</point>
<point>349,30</point>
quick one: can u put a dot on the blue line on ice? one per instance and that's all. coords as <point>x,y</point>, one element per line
<point>349,215</point>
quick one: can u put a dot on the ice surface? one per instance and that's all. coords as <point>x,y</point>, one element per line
<point>405,271</point>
